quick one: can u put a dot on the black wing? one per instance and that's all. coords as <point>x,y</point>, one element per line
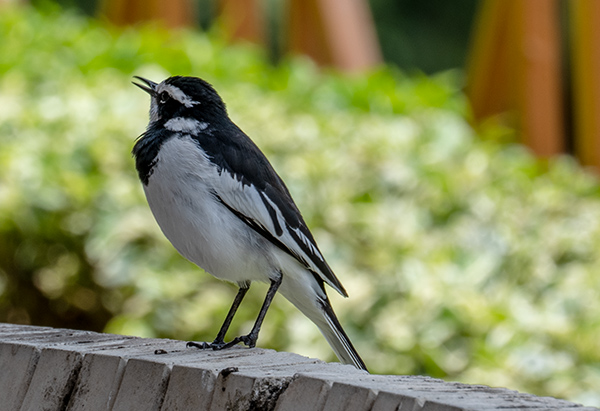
<point>251,189</point>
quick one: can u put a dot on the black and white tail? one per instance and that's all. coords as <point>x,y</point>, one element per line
<point>311,299</point>
<point>337,338</point>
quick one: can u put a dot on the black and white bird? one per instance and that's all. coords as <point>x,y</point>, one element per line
<point>221,204</point>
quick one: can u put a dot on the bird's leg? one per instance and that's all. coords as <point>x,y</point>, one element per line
<point>219,342</point>
<point>250,339</point>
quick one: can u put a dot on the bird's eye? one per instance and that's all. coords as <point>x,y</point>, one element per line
<point>164,97</point>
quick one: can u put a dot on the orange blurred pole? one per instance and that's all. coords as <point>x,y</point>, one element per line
<point>174,13</point>
<point>516,66</point>
<point>335,32</point>
<point>585,30</point>
<point>244,19</point>
<point>488,70</point>
<point>539,88</point>
<point>307,31</point>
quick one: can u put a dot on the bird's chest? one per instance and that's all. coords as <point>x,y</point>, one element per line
<point>179,192</point>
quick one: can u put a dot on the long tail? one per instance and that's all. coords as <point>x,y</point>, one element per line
<point>320,312</point>
<point>307,292</point>
<point>336,336</point>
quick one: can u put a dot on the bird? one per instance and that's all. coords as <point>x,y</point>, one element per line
<point>219,201</point>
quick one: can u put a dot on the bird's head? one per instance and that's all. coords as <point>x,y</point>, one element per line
<point>186,97</point>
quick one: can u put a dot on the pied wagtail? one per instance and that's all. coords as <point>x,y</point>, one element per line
<point>221,204</point>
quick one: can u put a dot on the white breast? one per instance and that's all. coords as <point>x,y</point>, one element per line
<point>179,193</point>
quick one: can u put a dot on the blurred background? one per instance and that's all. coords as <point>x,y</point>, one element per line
<point>443,153</point>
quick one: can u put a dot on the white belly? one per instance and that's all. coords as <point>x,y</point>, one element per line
<point>200,228</point>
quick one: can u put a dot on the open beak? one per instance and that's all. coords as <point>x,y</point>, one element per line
<point>151,89</point>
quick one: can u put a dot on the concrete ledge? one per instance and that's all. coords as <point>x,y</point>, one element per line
<point>55,369</point>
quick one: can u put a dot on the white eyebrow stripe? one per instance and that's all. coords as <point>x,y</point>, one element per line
<point>178,95</point>
<point>186,125</point>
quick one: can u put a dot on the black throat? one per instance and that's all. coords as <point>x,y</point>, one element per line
<point>146,150</point>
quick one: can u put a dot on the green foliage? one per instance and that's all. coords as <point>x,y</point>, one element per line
<point>463,258</point>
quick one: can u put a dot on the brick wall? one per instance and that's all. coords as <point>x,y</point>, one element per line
<point>55,369</point>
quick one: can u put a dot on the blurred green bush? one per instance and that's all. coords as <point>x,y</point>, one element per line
<point>464,258</point>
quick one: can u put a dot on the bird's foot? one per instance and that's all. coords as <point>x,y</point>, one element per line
<point>215,345</point>
<point>200,345</point>
<point>248,340</point>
